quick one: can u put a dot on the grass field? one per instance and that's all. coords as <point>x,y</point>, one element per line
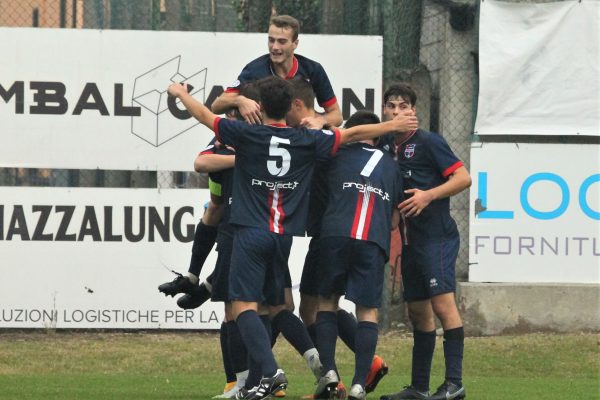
<point>62,365</point>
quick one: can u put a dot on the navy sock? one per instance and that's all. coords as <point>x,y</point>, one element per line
<point>266,321</point>
<point>312,332</point>
<point>274,334</point>
<point>254,373</point>
<point>327,332</point>
<point>257,341</point>
<point>227,364</point>
<point>204,239</point>
<point>237,350</point>
<point>366,342</point>
<point>293,330</point>
<point>424,345</point>
<point>347,328</point>
<point>454,344</point>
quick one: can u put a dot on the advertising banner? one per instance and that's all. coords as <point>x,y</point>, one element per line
<point>539,68</point>
<point>93,258</point>
<point>88,99</point>
<point>534,213</point>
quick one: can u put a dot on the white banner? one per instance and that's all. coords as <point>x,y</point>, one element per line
<point>68,261</point>
<point>534,213</point>
<point>89,99</point>
<point>539,68</point>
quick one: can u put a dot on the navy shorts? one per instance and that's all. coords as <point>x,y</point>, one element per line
<point>220,279</point>
<point>354,268</point>
<point>309,283</point>
<point>428,269</point>
<point>259,266</point>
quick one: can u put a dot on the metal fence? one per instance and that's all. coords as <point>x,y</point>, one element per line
<point>430,43</point>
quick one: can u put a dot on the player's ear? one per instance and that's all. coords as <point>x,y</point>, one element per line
<point>295,44</point>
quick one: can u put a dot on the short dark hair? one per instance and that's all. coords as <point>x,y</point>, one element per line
<point>286,21</point>
<point>276,96</point>
<point>402,90</point>
<point>249,90</point>
<point>303,90</point>
<point>362,117</point>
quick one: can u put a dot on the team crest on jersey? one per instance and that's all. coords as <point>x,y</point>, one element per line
<point>409,150</point>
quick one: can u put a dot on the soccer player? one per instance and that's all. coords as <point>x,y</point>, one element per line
<point>218,161</point>
<point>432,174</point>
<point>364,187</point>
<point>272,173</point>
<point>281,61</point>
<point>301,109</point>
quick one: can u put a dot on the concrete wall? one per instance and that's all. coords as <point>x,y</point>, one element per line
<point>513,308</point>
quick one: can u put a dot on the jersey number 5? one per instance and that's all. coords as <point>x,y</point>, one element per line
<point>284,157</point>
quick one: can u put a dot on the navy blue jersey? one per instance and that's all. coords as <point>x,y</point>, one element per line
<point>302,66</point>
<point>426,161</point>
<point>223,177</point>
<point>365,185</point>
<point>273,169</point>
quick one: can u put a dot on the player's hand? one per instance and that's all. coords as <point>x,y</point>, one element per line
<point>177,89</point>
<point>406,122</point>
<point>316,122</point>
<point>250,110</point>
<point>416,203</point>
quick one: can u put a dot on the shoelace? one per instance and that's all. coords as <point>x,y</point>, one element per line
<point>263,389</point>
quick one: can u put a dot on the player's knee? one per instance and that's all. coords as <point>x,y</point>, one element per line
<point>274,310</point>
<point>444,306</point>
<point>367,314</point>
<point>289,305</point>
<point>309,305</point>
<point>419,316</point>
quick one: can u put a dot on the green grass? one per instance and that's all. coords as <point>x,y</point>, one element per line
<point>41,365</point>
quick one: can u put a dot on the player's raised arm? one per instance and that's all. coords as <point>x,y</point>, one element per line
<point>195,108</point>
<point>333,115</point>
<point>401,123</point>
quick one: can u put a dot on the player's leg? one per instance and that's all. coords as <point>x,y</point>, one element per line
<point>205,235</point>
<point>327,333</point>
<point>444,307</point>
<point>309,296</point>
<point>416,294</point>
<point>220,293</point>
<point>253,250</point>
<point>254,368</point>
<point>288,305</point>
<point>204,239</point>
<point>364,287</point>
<point>331,284</point>
<point>285,321</point>
<point>367,334</point>
<point>230,378</point>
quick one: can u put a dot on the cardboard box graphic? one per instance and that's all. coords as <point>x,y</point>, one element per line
<point>162,119</point>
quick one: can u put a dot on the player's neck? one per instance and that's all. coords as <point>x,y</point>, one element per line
<point>402,137</point>
<point>283,69</point>
<point>272,121</point>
